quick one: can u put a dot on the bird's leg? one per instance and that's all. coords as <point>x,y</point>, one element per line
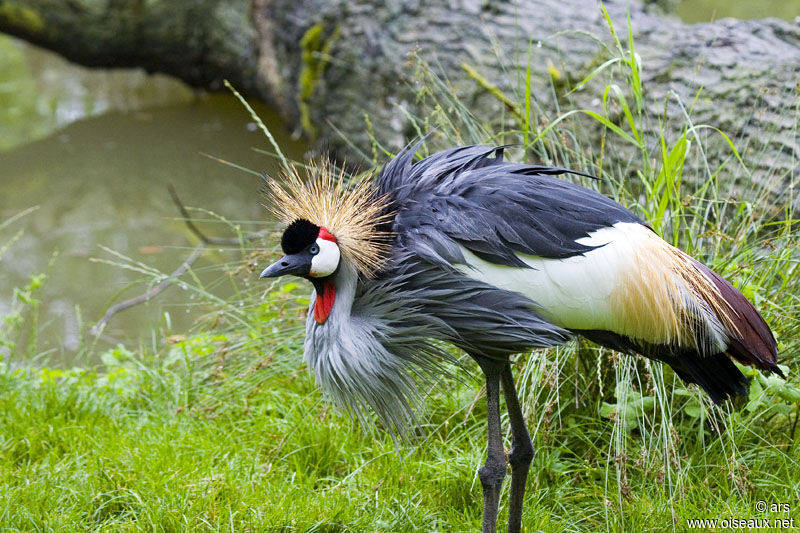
<point>521,453</point>
<point>493,471</point>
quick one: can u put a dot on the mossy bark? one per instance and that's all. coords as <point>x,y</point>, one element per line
<point>325,65</point>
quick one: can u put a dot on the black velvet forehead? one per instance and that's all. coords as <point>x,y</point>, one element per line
<point>298,235</point>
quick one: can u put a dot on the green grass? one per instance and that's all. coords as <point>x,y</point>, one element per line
<point>144,451</point>
<point>224,430</point>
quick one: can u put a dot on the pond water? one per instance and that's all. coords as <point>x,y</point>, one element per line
<point>102,181</point>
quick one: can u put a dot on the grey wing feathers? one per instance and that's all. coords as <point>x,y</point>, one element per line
<point>398,320</point>
<point>496,211</point>
<point>435,301</point>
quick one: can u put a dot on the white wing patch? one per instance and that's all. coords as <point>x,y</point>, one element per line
<point>634,284</point>
<point>575,292</point>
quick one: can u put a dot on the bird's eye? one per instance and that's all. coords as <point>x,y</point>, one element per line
<point>314,250</point>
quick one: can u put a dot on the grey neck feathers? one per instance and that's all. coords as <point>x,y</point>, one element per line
<point>350,359</point>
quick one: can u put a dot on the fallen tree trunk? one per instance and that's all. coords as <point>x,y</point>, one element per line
<point>325,65</point>
<point>201,42</point>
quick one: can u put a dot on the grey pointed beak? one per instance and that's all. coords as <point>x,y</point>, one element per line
<point>296,264</point>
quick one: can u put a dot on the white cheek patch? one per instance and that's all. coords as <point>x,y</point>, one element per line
<point>325,262</point>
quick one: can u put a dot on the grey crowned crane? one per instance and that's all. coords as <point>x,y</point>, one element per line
<point>495,258</point>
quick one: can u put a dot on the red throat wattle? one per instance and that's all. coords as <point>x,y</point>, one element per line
<point>323,304</point>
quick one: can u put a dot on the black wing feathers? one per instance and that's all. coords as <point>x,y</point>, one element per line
<point>470,196</point>
<point>716,374</point>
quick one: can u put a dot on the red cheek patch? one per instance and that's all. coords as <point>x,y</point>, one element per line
<point>323,304</point>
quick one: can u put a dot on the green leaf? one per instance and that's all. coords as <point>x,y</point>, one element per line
<point>607,409</point>
<point>695,411</point>
<point>789,393</point>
